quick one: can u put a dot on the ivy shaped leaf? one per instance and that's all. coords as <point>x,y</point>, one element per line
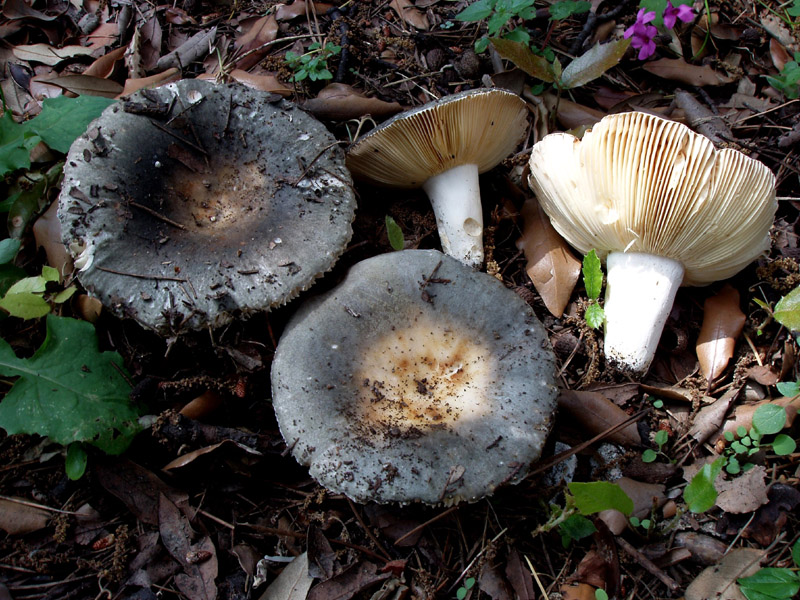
<point>596,496</point>
<point>69,390</point>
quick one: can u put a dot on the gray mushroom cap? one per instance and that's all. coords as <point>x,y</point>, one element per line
<point>195,202</point>
<point>415,379</point>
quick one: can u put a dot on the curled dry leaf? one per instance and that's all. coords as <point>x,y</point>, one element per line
<point>743,494</point>
<point>779,54</point>
<point>719,581</point>
<point>551,266</point>
<point>88,85</point>
<point>88,308</point>
<point>723,321</point>
<point>410,14</point>
<point>47,234</point>
<point>339,101</point>
<point>103,36</point>
<point>190,457</point>
<point>249,47</point>
<point>645,496</point>
<point>265,83</point>
<point>710,417</point>
<point>47,55</point>
<point>572,115</point>
<point>202,405</point>
<point>132,85</point>
<point>104,66</point>
<point>678,69</point>
<point>299,8</point>
<point>595,414</point>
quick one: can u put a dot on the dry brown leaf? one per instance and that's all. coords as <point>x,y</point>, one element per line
<point>340,102</point>
<point>47,55</point>
<point>190,457</point>
<point>177,16</point>
<point>723,321</point>
<point>678,69</point>
<point>89,308</point>
<point>191,50</point>
<point>645,496</point>
<point>775,26</point>
<point>705,550</point>
<point>293,583</point>
<point>88,85</point>
<point>577,591</point>
<point>47,233</point>
<point>410,14</point>
<point>519,576</point>
<point>133,85</point>
<point>763,374</point>
<point>104,66</point>
<point>105,35</point>
<point>572,115</point>
<point>745,493</point>
<point>145,48</point>
<point>265,83</point>
<point>710,417</point>
<point>780,56</point>
<point>551,266</point>
<point>595,413</point>
<point>249,45</point>
<point>286,12</point>
<point>202,405</point>
<point>19,9</point>
<point>18,519</point>
<point>719,582</point>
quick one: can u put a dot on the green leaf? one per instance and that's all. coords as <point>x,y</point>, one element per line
<point>733,467</point>
<point>476,11</point>
<point>592,275</point>
<point>658,403</point>
<point>481,44</point>
<point>461,593</point>
<point>788,388</point>
<point>769,418</point>
<point>566,8</point>
<point>728,435</point>
<point>29,285</point>
<point>741,431</point>
<point>69,390</point>
<point>701,494</point>
<point>794,9</point>
<point>661,437</point>
<point>64,295</point>
<point>787,310</point>
<point>591,65</point>
<point>15,145</point>
<point>469,583</point>
<point>75,461</point>
<point>63,119</point>
<point>600,594</point>
<point>796,553</point>
<point>577,527</point>
<point>592,497</point>
<point>522,56</point>
<point>649,455</point>
<point>50,274</point>
<point>9,275</point>
<point>783,445</point>
<point>771,582</point>
<point>594,316</point>
<point>519,34</point>
<point>8,250</point>
<point>25,305</point>
<point>26,206</point>
<point>394,233</point>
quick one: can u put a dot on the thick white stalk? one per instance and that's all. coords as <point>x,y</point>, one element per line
<point>456,199</point>
<point>640,292</point>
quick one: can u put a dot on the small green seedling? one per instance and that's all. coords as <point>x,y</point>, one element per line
<point>314,63</point>
<point>593,282</point>
<point>600,594</point>
<point>773,583</point>
<point>788,81</point>
<point>394,233</point>
<point>461,592</point>
<point>660,439</point>
<point>34,297</point>
<point>645,524</point>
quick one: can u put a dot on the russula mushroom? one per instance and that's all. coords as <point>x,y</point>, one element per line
<point>441,147</point>
<point>191,203</point>
<point>662,206</point>
<point>416,379</point>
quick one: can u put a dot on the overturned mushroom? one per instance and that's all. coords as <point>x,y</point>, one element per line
<point>416,379</point>
<point>662,206</point>
<point>191,203</point>
<point>441,147</point>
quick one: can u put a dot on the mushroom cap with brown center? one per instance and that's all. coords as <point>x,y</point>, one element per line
<point>640,183</point>
<point>415,379</point>
<point>480,127</point>
<point>192,203</point>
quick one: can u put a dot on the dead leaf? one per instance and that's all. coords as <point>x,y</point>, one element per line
<point>321,557</point>
<point>551,266</point>
<point>763,374</point>
<point>743,494</point>
<point>87,85</point>
<point>293,583</point>
<point>723,321</point>
<point>105,35</point>
<point>190,457</point>
<point>743,415</point>
<point>133,85</point>
<point>202,405</point>
<point>521,55</point>
<point>356,578</point>
<point>249,46</point>
<point>47,233</point>
<point>191,50</point>
<point>678,69</point>
<point>47,55</point>
<point>705,550</point>
<point>519,576</point>
<point>410,14</point>
<point>645,496</point>
<point>780,56</point>
<point>299,8</point>
<point>492,583</point>
<point>340,102</point>
<point>265,83</point>
<point>719,582</point>
<point>578,591</point>
<point>177,16</point>
<point>89,308</point>
<point>104,66</point>
<point>17,518</point>
<point>19,9</point>
<point>593,63</point>
<point>711,417</point>
<point>700,118</point>
<point>572,115</point>
<point>775,26</point>
<point>595,413</point>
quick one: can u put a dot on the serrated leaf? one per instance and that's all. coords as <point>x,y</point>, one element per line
<point>592,275</point>
<point>769,418</point>
<point>783,445</point>
<point>591,65</point>
<point>700,494</point>
<point>24,305</point>
<point>596,496</point>
<point>522,56</point>
<point>63,119</point>
<point>595,316</point>
<point>394,233</point>
<point>69,390</point>
<point>787,310</point>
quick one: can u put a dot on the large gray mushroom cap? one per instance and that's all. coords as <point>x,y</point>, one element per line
<point>195,202</point>
<point>415,379</point>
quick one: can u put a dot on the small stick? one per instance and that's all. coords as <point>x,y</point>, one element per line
<point>157,215</point>
<point>179,138</point>
<point>648,564</point>
<point>425,524</point>
<point>139,276</point>
<point>366,529</point>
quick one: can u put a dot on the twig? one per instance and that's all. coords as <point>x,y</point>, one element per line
<point>157,215</point>
<point>425,524</point>
<point>139,276</point>
<point>36,505</point>
<point>648,564</point>
<point>179,138</point>
<point>367,530</point>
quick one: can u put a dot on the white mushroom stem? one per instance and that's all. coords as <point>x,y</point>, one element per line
<point>640,292</point>
<point>456,198</point>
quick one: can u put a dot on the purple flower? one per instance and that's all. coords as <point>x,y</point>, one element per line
<point>643,34</point>
<point>684,12</point>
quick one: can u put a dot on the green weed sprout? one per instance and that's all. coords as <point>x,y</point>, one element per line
<point>788,81</point>
<point>314,63</point>
<point>593,282</point>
